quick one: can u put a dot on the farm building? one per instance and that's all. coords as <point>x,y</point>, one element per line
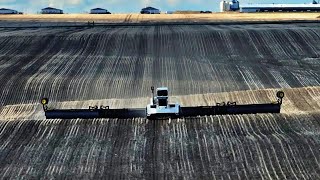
<point>50,10</point>
<point>234,5</point>
<point>280,8</point>
<point>99,11</point>
<point>150,10</point>
<point>8,11</point>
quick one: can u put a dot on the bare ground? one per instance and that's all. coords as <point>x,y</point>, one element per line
<point>261,146</point>
<point>201,65</point>
<point>162,17</point>
<point>69,64</point>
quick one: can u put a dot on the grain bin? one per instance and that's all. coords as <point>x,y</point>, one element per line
<point>224,6</point>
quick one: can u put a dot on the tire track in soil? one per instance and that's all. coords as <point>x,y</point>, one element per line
<point>156,66</point>
<point>192,60</point>
<point>139,64</point>
<point>117,64</point>
<point>150,153</point>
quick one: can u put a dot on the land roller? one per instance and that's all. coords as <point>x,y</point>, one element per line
<point>160,108</point>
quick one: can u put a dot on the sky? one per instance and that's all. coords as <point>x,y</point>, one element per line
<point>124,6</point>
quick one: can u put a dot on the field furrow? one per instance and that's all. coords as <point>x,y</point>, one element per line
<point>201,65</point>
<point>103,63</point>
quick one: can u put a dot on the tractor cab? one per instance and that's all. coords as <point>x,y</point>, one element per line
<point>162,96</point>
<point>159,105</point>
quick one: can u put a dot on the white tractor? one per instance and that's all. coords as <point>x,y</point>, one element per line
<point>159,107</point>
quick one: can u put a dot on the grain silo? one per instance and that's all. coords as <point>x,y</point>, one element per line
<point>224,6</point>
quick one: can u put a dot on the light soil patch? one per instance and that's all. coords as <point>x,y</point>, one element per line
<point>297,101</point>
<point>163,17</point>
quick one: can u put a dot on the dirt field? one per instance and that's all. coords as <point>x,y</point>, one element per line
<point>102,63</point>
<point>202,65</point>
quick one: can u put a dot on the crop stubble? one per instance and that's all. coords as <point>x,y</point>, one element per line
<point>116,66</point>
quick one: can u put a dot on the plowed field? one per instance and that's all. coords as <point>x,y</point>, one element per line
<point>201,65</point>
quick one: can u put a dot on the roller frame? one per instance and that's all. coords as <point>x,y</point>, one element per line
<point>192,111</point>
